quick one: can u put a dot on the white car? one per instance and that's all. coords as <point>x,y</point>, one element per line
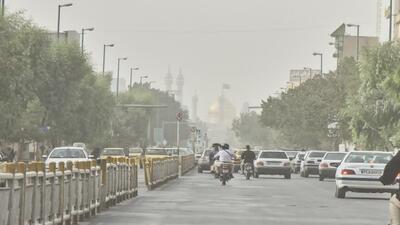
<point>272,162</point>
<point>360,171</point>
<point>310,164</point>
<point>65,154</point>
<point>329,164</point>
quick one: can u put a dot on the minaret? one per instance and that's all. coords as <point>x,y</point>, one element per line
<point>180,81</point>
<point>168,81</point>
<point>195,100</point>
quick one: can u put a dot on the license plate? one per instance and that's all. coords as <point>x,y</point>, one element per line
<point>273,163</point>
<point>371,172</point>
<point>225,171</point>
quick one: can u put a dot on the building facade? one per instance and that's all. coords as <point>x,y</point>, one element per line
<point>299,76</point>
<point>69,36</point>
<point>346,45</point>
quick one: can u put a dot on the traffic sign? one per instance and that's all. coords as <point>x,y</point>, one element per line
<point>179,116</point>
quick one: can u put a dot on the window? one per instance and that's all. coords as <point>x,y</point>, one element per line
<point>334,156</point>
<point>273,155</point>
<point>67,153</point>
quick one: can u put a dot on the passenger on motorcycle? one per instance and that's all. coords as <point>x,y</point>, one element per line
<point>225,156</point>
<point>216,148</point>
<point>248,156</point>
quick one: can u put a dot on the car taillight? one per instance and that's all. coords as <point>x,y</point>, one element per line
<point>324,165</point>
<point>260,163</point>
<point>286,164</point>
<point>348,172</point>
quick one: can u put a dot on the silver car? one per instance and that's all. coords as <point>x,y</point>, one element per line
<point>310,164</point>
<point>329,164</point>
<point>360,171</point>
<point>272,162</point>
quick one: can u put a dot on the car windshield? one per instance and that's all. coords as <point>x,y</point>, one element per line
<point>273,155</point>
<point>135,150</point>
<point>316,154</point>
<point>366,157</point>
<point>67,153</point>
<point>156,152</point>
<point>113,151</point>
<point>334,156</point>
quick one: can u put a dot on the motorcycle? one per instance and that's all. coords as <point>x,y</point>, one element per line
<point>394,205</point>
<point>248,170</point>
<point>225,173</point>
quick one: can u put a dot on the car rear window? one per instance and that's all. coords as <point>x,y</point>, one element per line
<point>156,152</point>
<point>135,150</point>
<point>68,153</point>
<point>273,155</point>
<point>366,157</point>
<point>334,156</point>
<point>316,154</point>
<point>113,151</point>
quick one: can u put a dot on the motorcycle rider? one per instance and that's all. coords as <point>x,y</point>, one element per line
<point>216,147</point>
<point>225,155</point>
<point>248,156</point>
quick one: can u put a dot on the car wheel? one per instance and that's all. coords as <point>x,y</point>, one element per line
<point>200,170</point>
<point>301,173</point>
<point>321,178</point>
<point>306,173</point>
<point>340,193</point>
<point>288,176</point>
<point>256,175</point>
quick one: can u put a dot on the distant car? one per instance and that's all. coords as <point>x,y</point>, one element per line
<point>137,153</point>
<point>360,171</point>
<point>291,154</point>
<point>310,164</point>
<point>3,157</point>
<point>204,161</point>
<point>197,156</point>
<point>113,152</point>
<point>329,164</point>
<point>174,151</point>
<point>296,162</point>
<point>65,154</point>
<point>272,162</point>
<point>237,162</point>
<point>156,153</point>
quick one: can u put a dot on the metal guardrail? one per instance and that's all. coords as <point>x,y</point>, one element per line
<point>64,193</point>
<point>160,170</point>
<point>188,162</point>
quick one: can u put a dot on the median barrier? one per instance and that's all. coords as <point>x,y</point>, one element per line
<point>160,170</point>
<point>65,193</point>
<point>187,163</point>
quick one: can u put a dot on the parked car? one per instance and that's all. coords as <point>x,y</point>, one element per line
<point>310,164</point>
<point>272,162</point>
<point>360,171</point>
<point>64,154</point>
<point>296,162</point>
<point>329,164</point>
<point>204,161</point>
<point>113,152</point>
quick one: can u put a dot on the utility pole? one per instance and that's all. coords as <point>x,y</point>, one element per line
<point>390,19</point>
<point>3,3</point>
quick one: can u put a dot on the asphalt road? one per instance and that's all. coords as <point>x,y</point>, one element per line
<point>200,199</point>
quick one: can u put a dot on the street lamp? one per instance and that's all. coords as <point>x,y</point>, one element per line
<point>59,18</point>
<point>358,38</point>
<point>119,61</point>
<point>321,55</point>
<point>104,56</point>
<point>141,79</point>
<point>3,2</point>
<point>83,34</point>
<point>130,80</point>
<point>310,69</point>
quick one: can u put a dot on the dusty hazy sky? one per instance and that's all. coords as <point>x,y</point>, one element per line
<point>249,44</point>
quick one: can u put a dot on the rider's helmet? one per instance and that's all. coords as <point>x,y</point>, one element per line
<point>248,147</point>
<point>225,146</point>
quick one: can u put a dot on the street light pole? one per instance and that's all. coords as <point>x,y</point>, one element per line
<point>119,62</point>
<point>59,18</point>
<point>104,56</point>
<point>390,19</point>
<point>358,38</point>
<point>310,69</point>
<point>83,36</point>
<point>141,79</point>
<point>130,80</point>
<point>321,55</point>
<point>3,3</point>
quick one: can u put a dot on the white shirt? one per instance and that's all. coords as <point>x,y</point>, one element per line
<point>225,155</point>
